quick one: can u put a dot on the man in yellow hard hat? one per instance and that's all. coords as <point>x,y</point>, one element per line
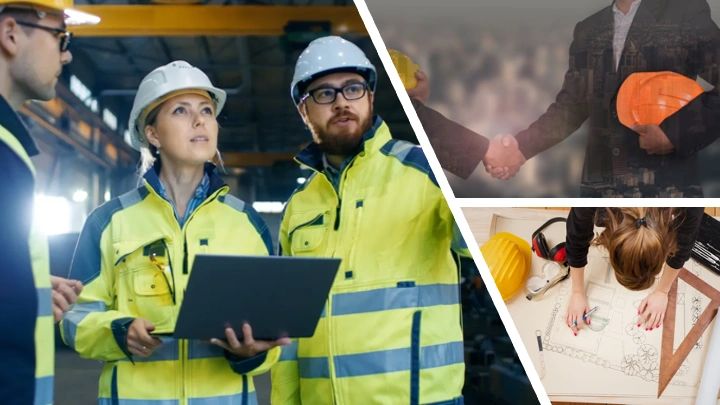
<point>624,37</point>
<point>33,49</point>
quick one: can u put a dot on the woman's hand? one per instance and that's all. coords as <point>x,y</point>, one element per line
<point>577,307</point>
<point>651,311</point>
<point>249,346</point>
<point>139,341</point>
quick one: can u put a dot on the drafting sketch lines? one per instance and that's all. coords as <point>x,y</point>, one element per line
<point>613,340</point>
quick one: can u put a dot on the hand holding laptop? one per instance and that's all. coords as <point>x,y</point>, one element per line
<point>249,346</point>
<point>139,341</point>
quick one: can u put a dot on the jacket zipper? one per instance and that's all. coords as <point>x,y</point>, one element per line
<point>331,340</point>
<point>337,214</point>
<point>183,342</point>
<point>328,310</point>
<point>185,254</point>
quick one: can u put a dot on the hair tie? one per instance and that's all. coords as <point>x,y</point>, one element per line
<point>640,222</point>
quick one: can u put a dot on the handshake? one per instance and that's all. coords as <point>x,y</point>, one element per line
<point>503,157</point>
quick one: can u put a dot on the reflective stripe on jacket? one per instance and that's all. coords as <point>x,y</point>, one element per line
<point>44,328</point>
<point>135,260</point>
<point>391,331</point>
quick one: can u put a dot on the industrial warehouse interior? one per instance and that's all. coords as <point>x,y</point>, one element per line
<point>249,50</point>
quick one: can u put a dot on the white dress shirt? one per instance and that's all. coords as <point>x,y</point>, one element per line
<point>622,26</point>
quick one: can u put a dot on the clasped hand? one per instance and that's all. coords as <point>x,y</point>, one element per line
<point>503,157</point>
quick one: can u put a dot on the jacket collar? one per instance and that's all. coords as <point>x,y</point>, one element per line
<point>152,178</point>
<point>311,156</point>
<point>10,120</point>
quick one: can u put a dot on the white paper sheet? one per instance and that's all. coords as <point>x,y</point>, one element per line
<point>612,357</point>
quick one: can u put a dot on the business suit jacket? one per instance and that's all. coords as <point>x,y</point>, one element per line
<point>666,35</point>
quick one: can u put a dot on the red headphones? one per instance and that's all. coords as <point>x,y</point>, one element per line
<point>540,246</point>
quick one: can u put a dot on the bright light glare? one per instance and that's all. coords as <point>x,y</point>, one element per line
<point>80,195</point>
<point>268,207</point>
<point>52,214</point>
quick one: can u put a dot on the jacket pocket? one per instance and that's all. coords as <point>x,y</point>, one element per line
<point>308,236</point>
<point>153,297</point>
<point>145,289</point>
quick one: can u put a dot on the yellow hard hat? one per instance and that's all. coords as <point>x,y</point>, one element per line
<point>406,68</point>
<point>72,16</point>
<point>508,257</point>
<point>648,98</point>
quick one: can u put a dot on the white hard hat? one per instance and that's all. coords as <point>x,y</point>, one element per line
<point>328,55</point>
<point>169,79</point>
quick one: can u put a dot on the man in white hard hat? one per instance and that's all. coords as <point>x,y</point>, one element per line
<point>391,329</point>
<point>33,48</point>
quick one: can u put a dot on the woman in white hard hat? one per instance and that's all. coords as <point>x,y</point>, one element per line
<point>136,251</point>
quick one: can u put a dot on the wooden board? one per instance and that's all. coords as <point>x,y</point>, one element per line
<point>670,362</point>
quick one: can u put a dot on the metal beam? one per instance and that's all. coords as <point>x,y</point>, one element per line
<point>210,20</point>
<point>79,147</point>
<point>256,159</point>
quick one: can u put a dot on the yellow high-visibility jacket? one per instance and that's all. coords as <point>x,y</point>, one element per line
<point>391,331</point>
<point>44,332</point>
<point>135,260</point>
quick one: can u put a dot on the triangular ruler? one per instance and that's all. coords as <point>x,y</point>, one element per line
<point>670,362</point>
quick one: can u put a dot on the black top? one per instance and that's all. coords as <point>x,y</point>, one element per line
<point>18,296</point>
<point>580,234</point>
<point>458,149</point>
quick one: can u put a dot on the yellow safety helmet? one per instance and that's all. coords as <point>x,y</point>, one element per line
<point>648,98</point>
<point>72,16</point>
<point>508,257</point>
<point>406,68</point>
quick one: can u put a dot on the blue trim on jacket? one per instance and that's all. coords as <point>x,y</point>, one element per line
<point>409,155</point>
<point>86,260</point>
<point>18,294</point>
<point>253,216</point>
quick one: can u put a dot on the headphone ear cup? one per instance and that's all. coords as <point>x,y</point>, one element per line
<point>543,250</point>
<point>559,253</point>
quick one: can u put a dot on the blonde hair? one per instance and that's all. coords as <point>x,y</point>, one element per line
<point>148,154</point>
<point>639,241</point>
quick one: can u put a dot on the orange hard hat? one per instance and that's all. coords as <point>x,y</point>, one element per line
<point>647,98</point>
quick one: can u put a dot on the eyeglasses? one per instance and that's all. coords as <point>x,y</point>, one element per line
<point>327,95</point>
<point>63,34</point>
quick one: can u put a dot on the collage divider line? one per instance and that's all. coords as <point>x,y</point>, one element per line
<point>586,202</point>
<point>456,210</point>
